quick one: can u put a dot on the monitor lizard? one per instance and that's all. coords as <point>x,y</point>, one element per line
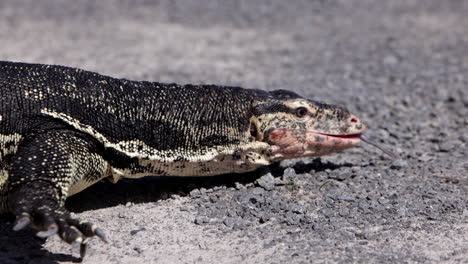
<point>63,129</point>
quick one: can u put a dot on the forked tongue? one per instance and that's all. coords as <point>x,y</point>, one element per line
<point>383,149</point>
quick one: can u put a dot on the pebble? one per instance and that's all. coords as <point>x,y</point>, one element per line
<point>213,198</point>
<point>299,209</point>
<point>267,182</point>
<point>399,164</point>
<point>390,60</point>
<point>446,146</point>
<point>201,220</point>
<point>139,250</point>
<point>343,211</point>
<point>294,230</point>
<point>134,232</point>
<point>289,174</point>
<point>346,198</point>
<point>239,186</point>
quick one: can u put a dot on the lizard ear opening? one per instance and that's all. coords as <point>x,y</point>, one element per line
<point>254,131</point>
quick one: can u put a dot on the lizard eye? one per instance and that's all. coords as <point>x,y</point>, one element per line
<point>301,112</point>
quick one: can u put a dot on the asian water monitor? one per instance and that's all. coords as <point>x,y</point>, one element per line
<point>63,129</point>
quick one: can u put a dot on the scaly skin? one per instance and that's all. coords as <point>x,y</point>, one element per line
<point>63,129</point>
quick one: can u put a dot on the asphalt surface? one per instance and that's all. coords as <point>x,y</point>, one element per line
<point>401,66</point>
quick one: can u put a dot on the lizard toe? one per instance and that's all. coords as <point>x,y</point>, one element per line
<point>88,229</point>
<point>100,233</point>
<point>23,220</point>
<point>51,230</point>
<point>44,220</point>
<point>81,246</point>
<point>70,234</point>
<point>78,232</point>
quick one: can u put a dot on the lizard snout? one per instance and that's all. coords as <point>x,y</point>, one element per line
<point>355,125</point>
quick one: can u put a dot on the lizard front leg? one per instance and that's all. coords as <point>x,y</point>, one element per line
<point>46,167</point>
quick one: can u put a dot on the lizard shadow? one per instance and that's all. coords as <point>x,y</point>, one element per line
<point>151,189</point>
<point>25,247</point>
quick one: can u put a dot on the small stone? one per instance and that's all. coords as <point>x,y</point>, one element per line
<point>134,232</point>
<point>346,198</point>
<point>249,185</point>
<point>321,176</point>
<point>364,206</point>
<point>267,182</point>
<point>465,213</point>
<point>195,193</point>
<point>446,146</point>
<point>399,164</point>
<point>175,196</point>
<point>229,222</point>
<point>289,174</point>
<point>343,211</point>
<point>294,231</point>
<point>291,219</point>
<point>258,191</point>
<point>298,209</point>
<point>200,220</point>
<point>236,223</point>
<point>327,212</point>
<point>340,176</point>
<point>213,198</point>
<point>139,250</point>
<point>240,186</point>
<point>462,138</point>
<point>343,176</point>
<point>390,60</point>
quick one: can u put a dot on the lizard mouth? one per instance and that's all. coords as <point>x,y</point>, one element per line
<point>350,136</point>
<point>291,143</point>
<point>332,141</point>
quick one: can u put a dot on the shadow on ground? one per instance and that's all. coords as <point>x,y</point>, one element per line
<point>16,245</point>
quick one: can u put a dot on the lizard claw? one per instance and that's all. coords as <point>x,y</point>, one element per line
<point>21,222</point>
<point>100,233</point>
<point>82,244</point>
<point>83,248</point>
<point>51,230</point>
<point>49,221</point>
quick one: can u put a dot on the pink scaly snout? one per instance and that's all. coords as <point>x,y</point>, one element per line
<point>294,143</point>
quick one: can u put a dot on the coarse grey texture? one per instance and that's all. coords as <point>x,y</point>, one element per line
<point>401,66</point>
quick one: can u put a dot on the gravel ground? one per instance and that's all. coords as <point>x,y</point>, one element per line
<point>401,66</point>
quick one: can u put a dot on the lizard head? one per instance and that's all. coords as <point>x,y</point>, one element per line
<point>297,127</point>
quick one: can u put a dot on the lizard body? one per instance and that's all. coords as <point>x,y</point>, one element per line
<point>63,129</point>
